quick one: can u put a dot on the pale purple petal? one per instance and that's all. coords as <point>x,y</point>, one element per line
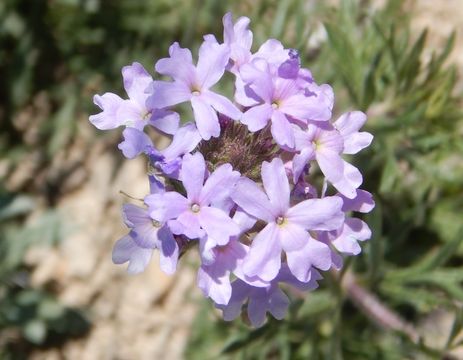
<point>212,60</point>
<point>350,123</point>
<point>190,225</point>
<point>218,224</point>
<point>184,141</point>
<point>257,309</point>
<point>221,104</point>
<point>259,80</point>
<point>130,114</point>
<point>318,214</point>
<point>293,237</point>
<point>136,81</point>
<point>287,277</point>
<point>135,142</point>
<point>276,185</point>
<point>192,175</point>
<point>206,118</point>
<point>305,108</point>
<point>244,95</point>
<point>349,182</point>
<point>278,303</point>
<point>363,202</point>
<point>144,233</point>
<point>219,184</point>
<point>301,160</point>
<point>106,119</point>
<point>314,253</point>
<point>179,65</point>
<point>125,250</point>
<point>166,206</point>
<point>331,164</point>
<point>354,230</point>
<point>264,257</point>
<point>214,281</point>
<point>253,200</point>
<point>164,94</point>
<point>240,291</point>
<point>168,250</point>
<point>282,130</point>
<point>273,51</point>
<point>257,117</point>
<point>165,120</point>
<point>244,221</point>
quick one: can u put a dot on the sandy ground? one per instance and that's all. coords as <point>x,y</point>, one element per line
<point>147,316</point>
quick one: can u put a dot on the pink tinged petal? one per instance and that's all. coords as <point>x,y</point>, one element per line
<point>136,81</point>
<point>215,284</point>
<point>184,141</point>
<point>192,175</point>
<point>278,304</point>
<point>329,139</point>
<point>206,118</point>
<point>257,117</point>
<point>282,130</point>
<point>318,214</point>
<point>166,206</point>
<point>313,254</point>
<point>106,119</point>
<point>363,202</point>
<point>276,185</point>
<point>219,184</point>
<point>179,65</point>
<point>135,142</point>
<point>218,224</point>
<point>125,250</point>
<point>264,257</point>
<point>253,200</point>
<point>293,237</point>
<point>164,94</point>
<point>165,120</point>
<point>221,104</point>
<point>300,161</point>
<point>212,60</point>
<point>352,178</point>
<point>191,227</point>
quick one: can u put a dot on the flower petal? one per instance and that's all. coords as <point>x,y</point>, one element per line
<point>282,130</point>
<point>257,117</point>
<point>192,175</point>
<point>206,118</point>
<point>164,94</point>
<point>253,200</point>
<point>168,250</point>
<point>264,257</point>
<point>165,120</point>
<point>217,224</point>
<point>318,214</point>
<point>136,81</point>
<point>184,141</point>
<point>221,104</point>
<point>166,206</point>
<point>125,250</point>
<point>212,60</point>
<point>135,142</point>
<point>276,185</point>
<point>106,119</point>
<point>219,184</point>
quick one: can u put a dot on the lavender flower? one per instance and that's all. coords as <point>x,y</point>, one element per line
<point>237,181</point>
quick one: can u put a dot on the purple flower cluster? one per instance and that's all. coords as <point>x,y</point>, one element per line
<point>238,180</point>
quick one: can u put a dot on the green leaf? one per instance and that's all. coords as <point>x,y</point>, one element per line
<point>35,331</point>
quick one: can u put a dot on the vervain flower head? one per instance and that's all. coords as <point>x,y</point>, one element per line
<point>257,181</point>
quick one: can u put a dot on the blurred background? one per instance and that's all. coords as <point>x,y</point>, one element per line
<point>60,178</point>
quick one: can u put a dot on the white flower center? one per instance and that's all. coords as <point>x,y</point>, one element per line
<point>195,208</point>
<point>280,220</point>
